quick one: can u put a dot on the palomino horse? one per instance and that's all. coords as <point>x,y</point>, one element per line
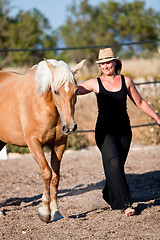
<point>37,110</point>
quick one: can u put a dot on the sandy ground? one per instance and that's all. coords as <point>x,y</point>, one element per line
<point>86,215</point>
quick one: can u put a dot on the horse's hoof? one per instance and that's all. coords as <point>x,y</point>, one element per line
<point>57,216</point>
<point>43,216</point>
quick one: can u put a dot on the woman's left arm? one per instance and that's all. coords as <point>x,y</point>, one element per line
<point>139,101</point>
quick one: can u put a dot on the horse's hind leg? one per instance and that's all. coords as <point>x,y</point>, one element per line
<point>55,164</point>
<point>38,154</point>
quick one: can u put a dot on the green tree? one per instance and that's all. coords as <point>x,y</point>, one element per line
<point>4,12</point>
<point>29,30</point>
<point>85,27</point>
<point>109,23</point>
<point>136,23</point>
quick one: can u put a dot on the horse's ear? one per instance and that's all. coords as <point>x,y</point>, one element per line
<point>78,66</point>
<point>50,66</point>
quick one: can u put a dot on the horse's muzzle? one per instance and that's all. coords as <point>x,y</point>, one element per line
<point>67,130</point>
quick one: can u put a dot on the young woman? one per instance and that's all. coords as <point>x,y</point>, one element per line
<point>113,131</point>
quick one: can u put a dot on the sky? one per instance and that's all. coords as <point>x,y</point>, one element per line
<point>56,10</point>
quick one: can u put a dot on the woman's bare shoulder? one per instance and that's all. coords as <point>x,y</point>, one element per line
<point>94,83</point>
<point>129,82</point>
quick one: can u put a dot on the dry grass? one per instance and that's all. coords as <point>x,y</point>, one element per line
<point>21,70</point>
<point>86,115</point>
<point>134,67</point>
<point>142,67</point>
<point>86,107</point>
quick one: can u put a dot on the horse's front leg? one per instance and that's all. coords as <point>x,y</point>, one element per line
<point>56,157</point>
<point>38,154</point>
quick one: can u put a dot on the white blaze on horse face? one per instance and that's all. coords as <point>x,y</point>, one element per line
<point>65,101</point>
<point>67,87</point>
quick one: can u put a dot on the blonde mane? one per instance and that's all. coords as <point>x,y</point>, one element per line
<point>62,75</point>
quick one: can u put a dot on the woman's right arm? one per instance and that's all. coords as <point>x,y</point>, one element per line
<point>87,87</point>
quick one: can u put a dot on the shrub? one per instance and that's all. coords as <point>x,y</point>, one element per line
<point>77,141</point>
<point>17,149</point>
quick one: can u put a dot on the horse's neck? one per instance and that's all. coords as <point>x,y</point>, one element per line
<point>43,102</point>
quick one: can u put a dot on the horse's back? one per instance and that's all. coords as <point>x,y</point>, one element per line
<point>10,81</point>
<point>9,86</point>
<point>12,91</point>
<point>5,76</point>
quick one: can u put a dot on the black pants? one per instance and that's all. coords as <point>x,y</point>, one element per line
<point>114,150</point>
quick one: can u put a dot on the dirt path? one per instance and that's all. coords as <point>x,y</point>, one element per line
<point>86,215</point>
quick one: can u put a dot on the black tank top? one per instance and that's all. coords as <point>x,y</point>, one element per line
<point>112,110</point>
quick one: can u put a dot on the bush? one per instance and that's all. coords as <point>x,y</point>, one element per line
<point>17,149</point>
<point>77,141</point>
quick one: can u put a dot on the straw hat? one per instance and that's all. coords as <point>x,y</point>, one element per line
<point>106,55</point>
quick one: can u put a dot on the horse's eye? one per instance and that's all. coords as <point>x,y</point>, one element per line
<point>76,91</point>
<point>55,92</point>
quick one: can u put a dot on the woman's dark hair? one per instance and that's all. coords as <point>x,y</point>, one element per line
<point>118,66</point>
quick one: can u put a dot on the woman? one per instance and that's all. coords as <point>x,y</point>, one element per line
<point>113,131</point>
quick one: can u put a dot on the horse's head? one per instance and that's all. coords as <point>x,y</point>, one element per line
<point>64,88</point>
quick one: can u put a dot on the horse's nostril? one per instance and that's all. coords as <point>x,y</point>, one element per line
<point>75,127</point>
<point>68,130</point>
<point>65,129</point>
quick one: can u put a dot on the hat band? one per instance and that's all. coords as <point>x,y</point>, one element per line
<point>105,58</point>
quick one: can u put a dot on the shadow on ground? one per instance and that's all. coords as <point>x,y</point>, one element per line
<point>144,187</point>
